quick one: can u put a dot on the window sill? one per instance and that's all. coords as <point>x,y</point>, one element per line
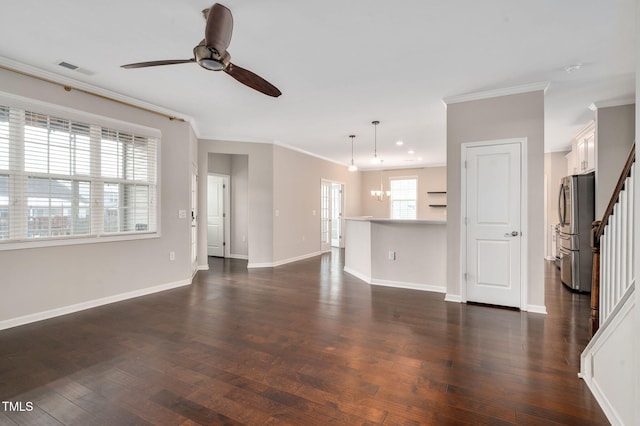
<point>53,242</point>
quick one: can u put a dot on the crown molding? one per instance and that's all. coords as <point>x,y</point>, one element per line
<point>629,100</point>
<point>309,153</point>
<point>70,83</point>
<point>506,91</point>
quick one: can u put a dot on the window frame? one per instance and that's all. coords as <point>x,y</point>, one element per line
<point>95,122</point>
<point>392,199</point>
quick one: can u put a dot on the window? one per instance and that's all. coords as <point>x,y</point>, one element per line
<point>403,198</point>
<point>61,179</point>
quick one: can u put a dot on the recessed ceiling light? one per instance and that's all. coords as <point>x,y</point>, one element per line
<point>411,152</point>
<point>399,143</point>
<point>419,158</point>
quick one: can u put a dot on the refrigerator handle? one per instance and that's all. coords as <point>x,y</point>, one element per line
<point>561,205</point>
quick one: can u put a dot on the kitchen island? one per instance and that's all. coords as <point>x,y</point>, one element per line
<point>397,253</point>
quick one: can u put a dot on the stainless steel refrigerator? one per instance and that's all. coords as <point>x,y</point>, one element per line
<point>576,209</point>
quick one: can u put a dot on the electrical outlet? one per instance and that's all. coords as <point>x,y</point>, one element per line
<point>172,255</point>
<point>182,214</point>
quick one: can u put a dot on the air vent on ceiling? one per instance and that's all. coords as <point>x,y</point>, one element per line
<point>72,67</point>
<point>68,65</point>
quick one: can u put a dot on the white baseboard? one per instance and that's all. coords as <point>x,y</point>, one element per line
<point>410,286</point>
<point>39,316</point>
<point>358,275</point>
<point>203,267</point>
<point>456,298</point>
<point>238,256</point>
<point>537,309</point>
<point>284,261</point>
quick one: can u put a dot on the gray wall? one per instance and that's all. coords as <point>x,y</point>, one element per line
<point>429,179</point>
<point>296,182</point>
<point>239,206</point>
<point>219,164</point>
<point>615,133</point>
<point>43,279</point>
<point>513,116</point>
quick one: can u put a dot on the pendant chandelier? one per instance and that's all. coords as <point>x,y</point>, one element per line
<point>375,159</point>
<point>380,194</point>
<point>352,166</point>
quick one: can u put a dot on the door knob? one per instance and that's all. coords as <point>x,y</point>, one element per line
<point>512,234</point>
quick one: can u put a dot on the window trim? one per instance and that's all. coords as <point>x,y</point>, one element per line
<point>16,101</point>
<point>392,178</point>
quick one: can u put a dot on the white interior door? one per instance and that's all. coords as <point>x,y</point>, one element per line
<point>215,216</point>
<point>194,218</point>
<point>325,215</point>
<point>493,224</point>
<point>336,214</point>
<point>331,205</point>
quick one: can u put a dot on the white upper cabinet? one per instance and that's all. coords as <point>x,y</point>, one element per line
<point>582,158</point>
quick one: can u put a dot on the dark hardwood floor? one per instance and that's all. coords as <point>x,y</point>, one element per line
<point>300,344</point>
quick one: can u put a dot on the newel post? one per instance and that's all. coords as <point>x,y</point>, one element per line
<point>595,278</point>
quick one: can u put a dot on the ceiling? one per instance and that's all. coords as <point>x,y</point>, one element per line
<point>339,64</point>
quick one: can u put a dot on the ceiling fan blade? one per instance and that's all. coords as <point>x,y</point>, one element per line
<point>217,34</point>
<point>252,80</point>
<point>157,63</point>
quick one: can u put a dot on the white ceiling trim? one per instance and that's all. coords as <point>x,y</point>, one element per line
<point>486,94</point>
<point>28,70</point>
<point>612,103</point>
<point>302,151</point>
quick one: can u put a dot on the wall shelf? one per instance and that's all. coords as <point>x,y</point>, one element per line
<point>436,192</point>
<point>437,205</point>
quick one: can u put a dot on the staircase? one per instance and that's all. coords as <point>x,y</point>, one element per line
<point>610,362</point>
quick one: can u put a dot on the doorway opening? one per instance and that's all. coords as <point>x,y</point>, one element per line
<point>218,215</point>
<point>331,214</point>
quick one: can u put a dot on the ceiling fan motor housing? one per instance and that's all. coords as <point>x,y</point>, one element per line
<point>210,59</point>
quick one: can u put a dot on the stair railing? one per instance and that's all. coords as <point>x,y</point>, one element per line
<point>612,245</point>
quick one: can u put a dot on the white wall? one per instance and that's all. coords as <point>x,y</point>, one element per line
<point>54,279</point>
<point>429,179</point>
<point>512,116</point>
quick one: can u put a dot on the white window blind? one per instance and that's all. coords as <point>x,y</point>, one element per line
<point>62,178</point>
<point>403,198</point>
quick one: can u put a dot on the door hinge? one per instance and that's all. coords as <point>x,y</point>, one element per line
<point>224,186</point>
<point>224,243</point>
<point>465,164</point>
<point>465,276</point>
<point>224,215</point>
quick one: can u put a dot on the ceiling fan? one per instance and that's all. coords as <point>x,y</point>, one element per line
<point>212,53</point>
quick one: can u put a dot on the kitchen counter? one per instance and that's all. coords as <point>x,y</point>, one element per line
<point>397,253</point>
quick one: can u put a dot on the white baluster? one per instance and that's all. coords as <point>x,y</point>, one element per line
<point>631,229</point>
<point>617,253</point>
<point>604,274</point>
<point>624,236</point>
